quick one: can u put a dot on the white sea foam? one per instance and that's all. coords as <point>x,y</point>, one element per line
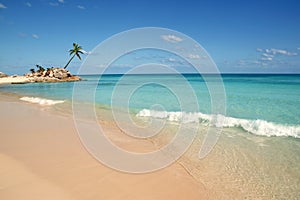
<point>257,127</point>
<point>46,102</point>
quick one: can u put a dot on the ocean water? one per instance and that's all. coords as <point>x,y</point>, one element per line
<point>258,153</point>
<point>253,102</point>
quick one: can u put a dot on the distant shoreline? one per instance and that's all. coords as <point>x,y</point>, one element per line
<point>51,75</point>
<point>238,74</point>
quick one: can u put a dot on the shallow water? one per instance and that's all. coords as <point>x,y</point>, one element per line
<point>260,104</point>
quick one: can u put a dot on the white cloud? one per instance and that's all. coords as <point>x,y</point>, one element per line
<point>28,4</point>
<point>298,48</point>
<point>2,6</point>
<point>268,50</point>
<point>255,62</point>
<point>268,55</point>
<point>81,7</point>
<point>280,51</point>
<point>171,60</point>
<point>35,36</point>
<point>193,56</point>
<point>267,58</point>
<point>56,3</point>
<point>86,52</point>
<point>53,4</point>
<point>272,52</point>
<point>171,38</point>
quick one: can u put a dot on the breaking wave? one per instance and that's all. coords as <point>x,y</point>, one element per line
<point>257,127</point>
<point>46,102</point>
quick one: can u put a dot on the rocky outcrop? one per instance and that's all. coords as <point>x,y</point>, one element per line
<point>2,75</point>
<point>51,75</point>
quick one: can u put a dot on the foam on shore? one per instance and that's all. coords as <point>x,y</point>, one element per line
<point>41,101</point>
<point>257,127</point>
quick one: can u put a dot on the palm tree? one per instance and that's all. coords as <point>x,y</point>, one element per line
<point>76,51</point>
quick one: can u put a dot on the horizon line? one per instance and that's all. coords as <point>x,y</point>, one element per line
<point>226,73</point>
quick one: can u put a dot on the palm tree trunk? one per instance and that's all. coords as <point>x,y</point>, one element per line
<point>69,61</point>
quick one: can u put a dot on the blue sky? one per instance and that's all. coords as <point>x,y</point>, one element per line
<point>241,36</point>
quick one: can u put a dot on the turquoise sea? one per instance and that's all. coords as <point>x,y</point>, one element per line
<point>258,153</point>
<point>269,98</point>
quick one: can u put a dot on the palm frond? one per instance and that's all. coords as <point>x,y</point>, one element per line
<point>76,51</point>
<point>77,54</point>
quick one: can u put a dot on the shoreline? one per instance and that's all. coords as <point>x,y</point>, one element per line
<point>37,153</point>
<point>14,80</point>
<point>51,75</point>
<point>24,80</point>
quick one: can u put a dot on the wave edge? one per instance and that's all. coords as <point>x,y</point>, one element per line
<point>256,127</point>
<point>41,101</point>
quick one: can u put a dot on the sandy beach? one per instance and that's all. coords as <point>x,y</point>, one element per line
<point>12,79</point>
<point>49,76</point>
<point>149,100</point>
<point>42,157</point>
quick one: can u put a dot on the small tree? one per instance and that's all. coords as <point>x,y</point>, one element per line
<point>77,50</point>
<point>40,68</point>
